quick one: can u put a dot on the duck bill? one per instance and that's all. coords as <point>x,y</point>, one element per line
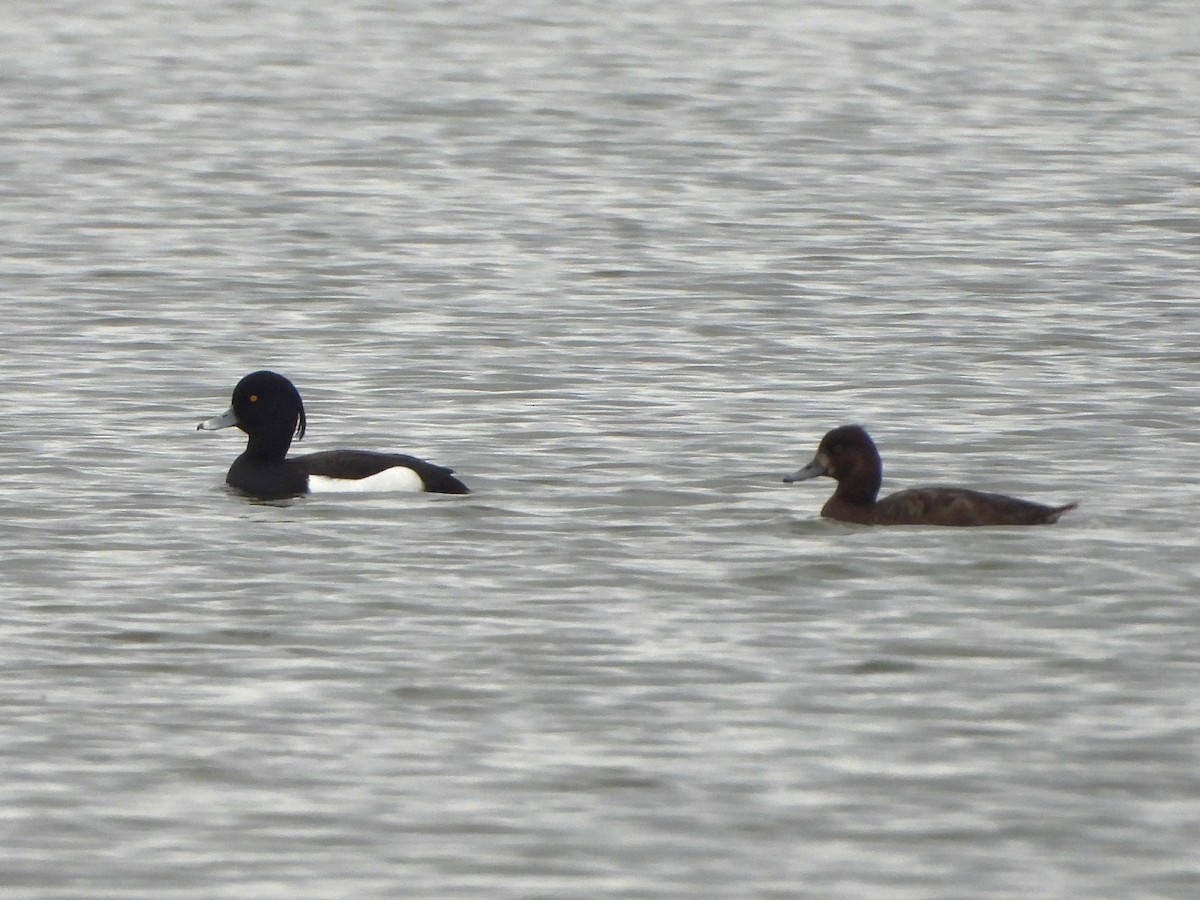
<point>226,419</point>
<point>814,469</point>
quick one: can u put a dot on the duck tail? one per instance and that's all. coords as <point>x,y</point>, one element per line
<point>1059,510</point>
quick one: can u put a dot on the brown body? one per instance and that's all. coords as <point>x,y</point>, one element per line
<point>848,455</point>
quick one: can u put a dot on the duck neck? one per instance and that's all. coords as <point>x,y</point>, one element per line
<point>268,447</point>
<point>860,486</point>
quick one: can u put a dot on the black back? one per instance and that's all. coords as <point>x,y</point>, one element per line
<point>269,410</point>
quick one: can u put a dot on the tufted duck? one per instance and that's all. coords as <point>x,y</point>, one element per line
<point>268,408</point>
<point>848,456</point>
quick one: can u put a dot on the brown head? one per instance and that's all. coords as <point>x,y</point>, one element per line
<point>848,456</point>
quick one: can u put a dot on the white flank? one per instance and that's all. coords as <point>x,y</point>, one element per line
<point>394,479</point>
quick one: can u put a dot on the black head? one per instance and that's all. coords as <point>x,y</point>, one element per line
<point>267,403</point>
<point>268,408</point>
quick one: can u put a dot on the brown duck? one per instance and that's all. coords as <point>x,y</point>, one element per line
<point>848,456</point>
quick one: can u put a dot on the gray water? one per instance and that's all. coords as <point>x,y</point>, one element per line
<point>621,265</point>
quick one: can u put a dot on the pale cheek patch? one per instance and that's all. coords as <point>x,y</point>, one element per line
<point>395,479</point>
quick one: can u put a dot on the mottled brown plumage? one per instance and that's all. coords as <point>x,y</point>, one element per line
<point>848,455</point>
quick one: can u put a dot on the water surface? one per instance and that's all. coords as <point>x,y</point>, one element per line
<point>621,267</point>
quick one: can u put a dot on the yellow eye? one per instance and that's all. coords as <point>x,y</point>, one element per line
<point>254,398</point>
